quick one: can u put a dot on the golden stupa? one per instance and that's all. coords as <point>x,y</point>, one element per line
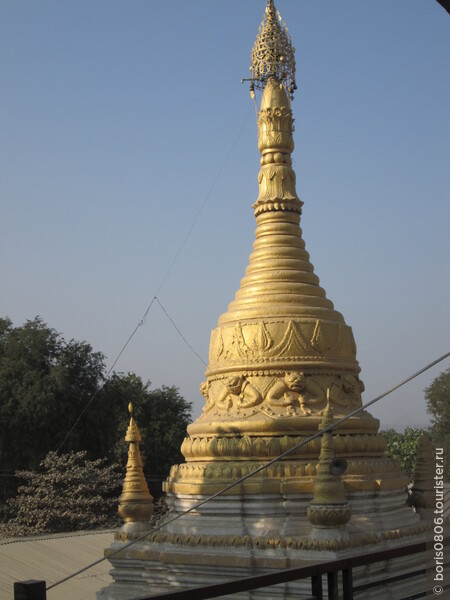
<point>282,364</point>
<point>281,345</point>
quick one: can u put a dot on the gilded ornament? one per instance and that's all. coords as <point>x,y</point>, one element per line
<point>262,340</point>
<point>273,54</point>
<point>235,392</point>
<point>135,502</point>
<point>312,397</point>
<point>285,392</point>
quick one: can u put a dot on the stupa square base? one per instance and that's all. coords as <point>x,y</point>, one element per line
<point>154,568</point>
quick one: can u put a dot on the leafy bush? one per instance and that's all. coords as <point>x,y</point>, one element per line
<point>67,493</point>
<point>403,447</point>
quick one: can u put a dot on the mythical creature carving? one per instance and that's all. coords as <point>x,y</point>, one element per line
<point>313,397</point>
<point>285,391</point>
<point>204,390</point>
<point>294,391</point>
<point>236,391</point>
<point>296,388</point>
<point>346,392</point>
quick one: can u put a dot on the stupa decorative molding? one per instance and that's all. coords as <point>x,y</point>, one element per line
<point>372,474</point>
<point>267,543</point>
<point>243,447</point>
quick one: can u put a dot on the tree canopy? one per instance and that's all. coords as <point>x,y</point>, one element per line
<point>46,382</point>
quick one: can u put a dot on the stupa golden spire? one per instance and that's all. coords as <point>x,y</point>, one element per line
<point>135,502</point>
<point>281,345</point>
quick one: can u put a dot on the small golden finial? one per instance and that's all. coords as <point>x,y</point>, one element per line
<point>273,54</point>
<point>135,502</point>
<point>328,414</point>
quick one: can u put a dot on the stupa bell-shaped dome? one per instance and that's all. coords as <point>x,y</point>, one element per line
<point>281,344</point>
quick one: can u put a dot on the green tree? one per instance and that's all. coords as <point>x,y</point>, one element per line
<point>67,493</point>
<point>403,447</point>
<point>437,396</point>
<point>44,384</point>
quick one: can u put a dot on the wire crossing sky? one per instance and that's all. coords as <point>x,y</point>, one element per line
<point>117,117</point>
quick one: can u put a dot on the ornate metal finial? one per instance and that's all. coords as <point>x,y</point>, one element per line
<point>273,53</point>
<point>135,502</point>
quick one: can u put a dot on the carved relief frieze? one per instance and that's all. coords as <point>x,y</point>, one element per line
<point>295,393</point>
<point>231,394</point>
<point>263,341</point>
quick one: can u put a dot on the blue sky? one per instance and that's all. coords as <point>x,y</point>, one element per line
<point>118,117</point>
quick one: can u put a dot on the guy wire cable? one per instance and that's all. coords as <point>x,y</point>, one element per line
<point>316,435</point>
<point>172,264</point>
<point>179,332</point>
